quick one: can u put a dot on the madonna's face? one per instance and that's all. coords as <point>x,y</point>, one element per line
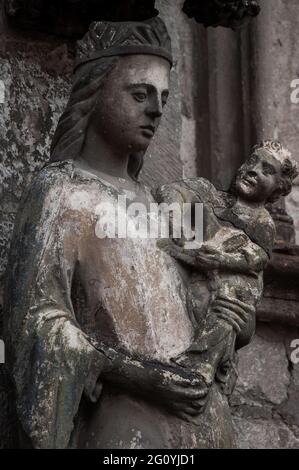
<point>130,105</point>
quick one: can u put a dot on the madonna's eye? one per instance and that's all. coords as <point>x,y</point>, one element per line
<point>140,96</point>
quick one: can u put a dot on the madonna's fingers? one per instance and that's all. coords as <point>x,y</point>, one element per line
<point>191,394</point>
<point>241,319</point>
<point>245,307</point>
<point>231,318</point>
<point>236,309</point>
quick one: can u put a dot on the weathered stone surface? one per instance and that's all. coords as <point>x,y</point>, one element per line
<point>265,401</point>
<point>279,311</point>
<point>35,87</point>
<point>292,206</point>
<point>262,434</point>
<point>295,368</point>
<point>289,410</point>
<point>33,103</point>
<point>255,384</point>
<point>169,157</point>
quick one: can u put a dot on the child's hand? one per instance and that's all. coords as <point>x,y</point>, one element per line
<point>197,258</point>
<point>209,249</point>
<point>173,249</point>
<point>209,259</point>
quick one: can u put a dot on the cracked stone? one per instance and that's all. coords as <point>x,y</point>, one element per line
<point>263,371</point>
<point>260,434</point>
<point>290,409</point>
<point>253,412</point>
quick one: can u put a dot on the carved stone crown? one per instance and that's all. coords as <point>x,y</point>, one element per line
<point>108,39</point>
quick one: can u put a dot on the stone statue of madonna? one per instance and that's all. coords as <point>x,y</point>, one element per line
<point>92,322</point>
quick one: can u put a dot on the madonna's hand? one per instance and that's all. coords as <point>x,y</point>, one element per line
<point>172,387</point>
<point>237,313</point>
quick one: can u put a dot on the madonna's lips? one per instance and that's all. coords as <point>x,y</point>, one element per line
<point>148,130</point>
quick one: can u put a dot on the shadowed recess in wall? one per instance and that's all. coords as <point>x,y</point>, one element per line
<point>228,13</point>
<point>71,18</point>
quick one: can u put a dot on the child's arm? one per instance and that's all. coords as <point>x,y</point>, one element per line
<point>249,260</point>
<point>186,190</point>
<point>175,192</point>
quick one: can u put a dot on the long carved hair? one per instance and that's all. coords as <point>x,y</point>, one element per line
<point>70,135</point>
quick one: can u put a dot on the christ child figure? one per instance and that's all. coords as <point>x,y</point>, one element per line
<point>239,235</point>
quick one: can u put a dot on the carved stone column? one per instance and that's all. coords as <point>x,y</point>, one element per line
<point>272,47</point>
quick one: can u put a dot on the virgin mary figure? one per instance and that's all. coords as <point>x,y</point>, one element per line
<point>92,322</point>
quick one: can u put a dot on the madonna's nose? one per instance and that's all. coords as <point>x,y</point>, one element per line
<point>154,111</point>
<point>252,173</point>
<point>154,108</point>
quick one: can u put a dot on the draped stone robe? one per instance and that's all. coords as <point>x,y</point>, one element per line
<point>66,285</point>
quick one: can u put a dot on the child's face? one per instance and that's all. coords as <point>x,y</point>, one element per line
<point>258,178</point>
